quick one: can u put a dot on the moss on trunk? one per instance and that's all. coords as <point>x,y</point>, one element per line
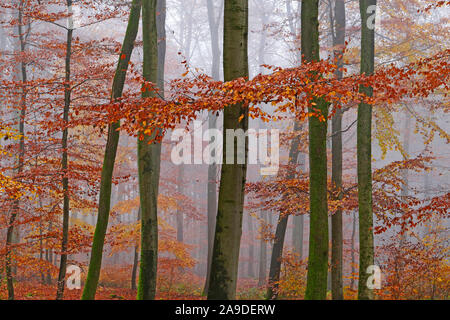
<point>95,263</point>
<point>225,257</point>
<point>364,155</point>
<point>316,287</point>
<point>149,157</point>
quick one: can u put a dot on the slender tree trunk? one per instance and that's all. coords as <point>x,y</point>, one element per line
<point>41,252</point>
<point>135,259</point>
<point>161,13</point>
<point>251,249</point>
<point>212,123</point>
<point>297,235</point>
<point>95,263</point>
<point>135,266</point>
<point>336,175</point>
<point>364,155</point>
<point>427,192</point>
<point>227,237</point>
<point>149,156</point>
<point>316,287</point>
<point>11,230</point>
<point>262,267</point>
<point>180,232</point>
<point>213,20</point>
<point>64,162</point>
<point>49,255</point>
<point>47,275</point>
<point>299,220</point>
<point>352,282</point>
<point>280,232</point>
<point>405,173</point>
<point>262,275</point>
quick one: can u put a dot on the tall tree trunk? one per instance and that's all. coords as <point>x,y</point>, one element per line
<point>64,162</point>
<point>213,21</point>
<point>336,175</point>
<point>11,230</point>
<point>364,155</point>
<point>262,274</point>
<point>316,287</point>
<point>225,258</point>
<point>280,232</point>
<point>262,266</point>
<point>149,156</point>
<point>95,263</point>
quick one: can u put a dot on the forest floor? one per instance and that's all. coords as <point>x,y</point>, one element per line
<point>34,290</point>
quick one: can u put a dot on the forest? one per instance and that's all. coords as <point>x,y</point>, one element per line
<point>224,150</point>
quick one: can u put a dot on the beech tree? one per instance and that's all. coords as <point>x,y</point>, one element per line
<point>149,157</point>
<point>214,19</point>
<point>225,257</point>
<point>280,232</point>
<point>95,263</point>
<point>64,161</point>
<point>22,75</point>
<point>364,151</point>
<point>61,87</point>
<point>338,35</point>
<point>318,236</point>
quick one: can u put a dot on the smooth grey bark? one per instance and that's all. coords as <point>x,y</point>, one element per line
<point>49,255</point>
<point>214,22</point>
<point>352,251</point>
<point>251,249</point>
<point>297,235</point>
<point>225,258</point>
<point>364,156</point>
<point>262,266</point>
<point>336,161</point>
<point>405,172</point>
<point>299,220</point>
<point>149,157</point>
<point>162,43</point>
<point>135,259</point>
<point>104,205</point>
<point>180,233</point>
<point>262,271</point>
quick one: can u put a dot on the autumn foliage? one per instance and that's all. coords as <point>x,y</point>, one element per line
<point>412,225</point>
